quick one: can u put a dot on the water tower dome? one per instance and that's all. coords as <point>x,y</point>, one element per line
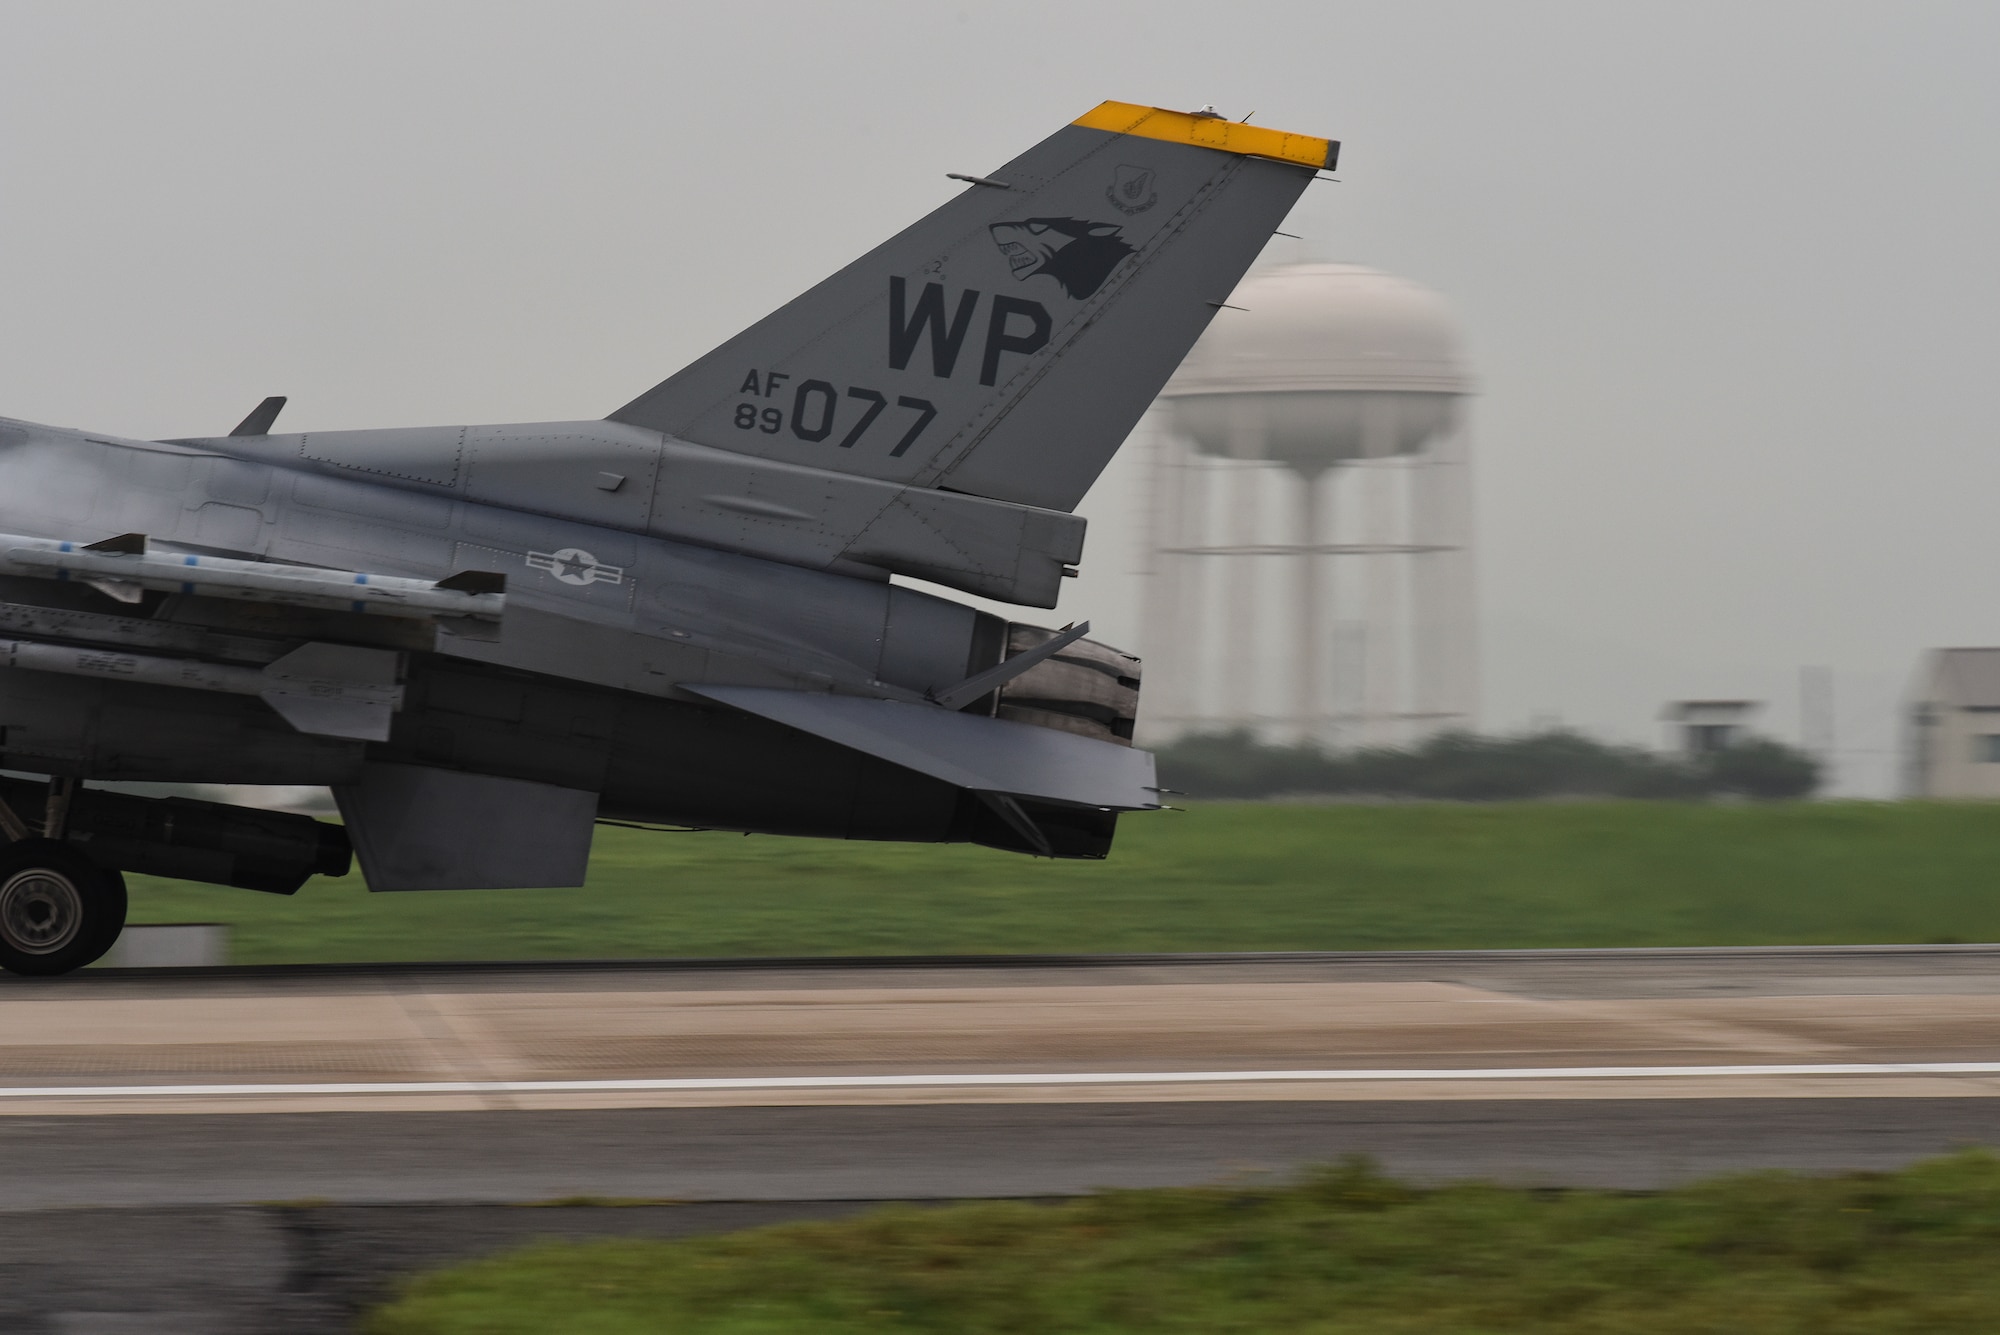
<point>1325,363</point>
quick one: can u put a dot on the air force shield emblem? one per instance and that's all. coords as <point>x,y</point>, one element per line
<point>1131,190</point>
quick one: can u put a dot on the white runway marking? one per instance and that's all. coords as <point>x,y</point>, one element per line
<point>988,1080</point>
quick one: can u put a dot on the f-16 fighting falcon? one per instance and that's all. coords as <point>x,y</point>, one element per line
<point>486,639</point>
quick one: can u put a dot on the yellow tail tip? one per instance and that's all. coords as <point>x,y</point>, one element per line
<point>1205,130</point>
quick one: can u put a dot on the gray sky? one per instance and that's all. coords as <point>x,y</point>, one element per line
<point>1728,271</point>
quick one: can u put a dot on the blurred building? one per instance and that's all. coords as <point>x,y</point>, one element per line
<point>1952,745</point>
<point>1310,520</point>
<point>1699,728</point>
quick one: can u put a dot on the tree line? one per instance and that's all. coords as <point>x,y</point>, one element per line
<point>1469,767</point>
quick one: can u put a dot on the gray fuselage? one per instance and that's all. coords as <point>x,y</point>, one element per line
<point>578,687</point>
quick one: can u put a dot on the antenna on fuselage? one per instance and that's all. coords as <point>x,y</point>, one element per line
<point>259,422</point>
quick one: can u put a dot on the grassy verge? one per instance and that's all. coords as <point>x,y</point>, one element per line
<point>1220,877</point>
<point>1344,1252</point>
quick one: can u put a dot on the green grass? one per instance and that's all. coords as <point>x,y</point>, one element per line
<point>1220,877</point>
<point>1344,1252</point>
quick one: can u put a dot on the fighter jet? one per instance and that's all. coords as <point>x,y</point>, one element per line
<point>488,639</point>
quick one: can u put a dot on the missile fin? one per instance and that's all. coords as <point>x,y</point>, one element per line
<point>474,581</point>
<point>124,590</point>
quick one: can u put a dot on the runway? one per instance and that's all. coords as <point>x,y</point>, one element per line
<point>944,1152</point>
<point>825,1080</point>
<point>1912,1022</point>
<point>276,1146</point>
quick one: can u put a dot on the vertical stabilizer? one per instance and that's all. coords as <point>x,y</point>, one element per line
<point>1006,345</point>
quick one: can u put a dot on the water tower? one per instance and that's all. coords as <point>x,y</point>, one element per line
<point>1311,517</point>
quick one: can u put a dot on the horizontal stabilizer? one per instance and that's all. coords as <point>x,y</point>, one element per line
<point>964,750</point>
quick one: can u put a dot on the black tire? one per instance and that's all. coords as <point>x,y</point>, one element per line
<point>58,910</point>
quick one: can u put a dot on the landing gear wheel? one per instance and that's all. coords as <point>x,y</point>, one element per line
<point>58,910</point>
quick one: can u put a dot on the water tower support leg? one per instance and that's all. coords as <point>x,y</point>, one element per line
<point>1170,662</point>
<point>1314,617</point>
<point>1241,656</point>
<point>1446,673</point>
<point>1381,676</point>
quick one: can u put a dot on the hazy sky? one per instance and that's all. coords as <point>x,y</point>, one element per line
<point>1730,273</point>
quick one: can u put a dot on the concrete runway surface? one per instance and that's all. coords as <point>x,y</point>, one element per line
<point>1918,1022</point>
<point>790,1087</point>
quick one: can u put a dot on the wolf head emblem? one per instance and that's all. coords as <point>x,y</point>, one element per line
<point>1080,255</point>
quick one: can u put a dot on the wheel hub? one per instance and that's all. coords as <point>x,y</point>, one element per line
<point>41,911</point>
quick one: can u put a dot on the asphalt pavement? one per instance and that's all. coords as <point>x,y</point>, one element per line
<point>403,1116</point>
